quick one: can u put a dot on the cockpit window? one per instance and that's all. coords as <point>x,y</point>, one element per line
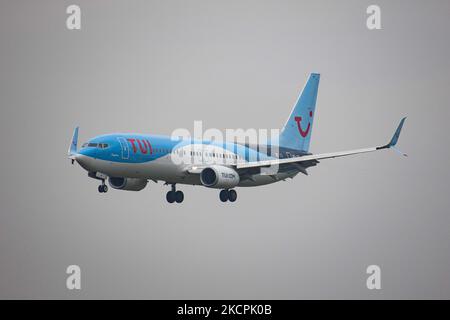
<point>95,145</point>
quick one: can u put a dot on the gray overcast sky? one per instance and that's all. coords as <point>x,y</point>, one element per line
<point>154,66</point>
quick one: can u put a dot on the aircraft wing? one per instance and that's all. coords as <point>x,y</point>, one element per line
<point>322,156</point>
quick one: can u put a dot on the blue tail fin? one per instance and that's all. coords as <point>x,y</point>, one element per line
<point>296,133</point>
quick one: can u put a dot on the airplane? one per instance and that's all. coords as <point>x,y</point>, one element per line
<point>128,161</point>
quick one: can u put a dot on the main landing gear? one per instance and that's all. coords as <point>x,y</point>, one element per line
<point>103,188</point>
<point>174,195</point>
<point>226,194</point>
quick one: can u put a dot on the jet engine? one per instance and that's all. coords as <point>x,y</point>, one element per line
<point>131,184</point>
<point>219,177</point>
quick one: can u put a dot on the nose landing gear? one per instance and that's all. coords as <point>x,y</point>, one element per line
<point>226,194</point>
<point>174,195</point>
<point>103,188</point>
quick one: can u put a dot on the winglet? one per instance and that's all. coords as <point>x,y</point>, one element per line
<point>396,134</point>
<point>73,145</point>
<point>395,137</point>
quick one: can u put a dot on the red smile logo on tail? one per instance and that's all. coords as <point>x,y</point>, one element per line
<point>302,132</point>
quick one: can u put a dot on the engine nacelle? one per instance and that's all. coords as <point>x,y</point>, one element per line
<point>220,177</point>
<point>131,184</point>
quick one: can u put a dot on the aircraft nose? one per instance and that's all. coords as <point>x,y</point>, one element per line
<point>85,158</point>
<point>81,159</point>
<point>88,152</point>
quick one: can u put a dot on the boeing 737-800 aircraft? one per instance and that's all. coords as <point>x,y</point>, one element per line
<point>129,161</point>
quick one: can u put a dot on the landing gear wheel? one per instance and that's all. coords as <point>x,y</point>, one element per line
<point>170,197</point>
<point>232,195</point>
<point>223,195</point>
<point>103,188</point>
<point>179,196</point>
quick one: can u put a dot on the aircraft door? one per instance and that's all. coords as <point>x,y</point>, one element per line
<point>124,147</point>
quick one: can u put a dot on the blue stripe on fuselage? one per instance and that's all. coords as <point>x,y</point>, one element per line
<point>144,148</point>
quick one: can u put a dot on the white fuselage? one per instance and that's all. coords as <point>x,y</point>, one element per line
<point>173,167</point>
